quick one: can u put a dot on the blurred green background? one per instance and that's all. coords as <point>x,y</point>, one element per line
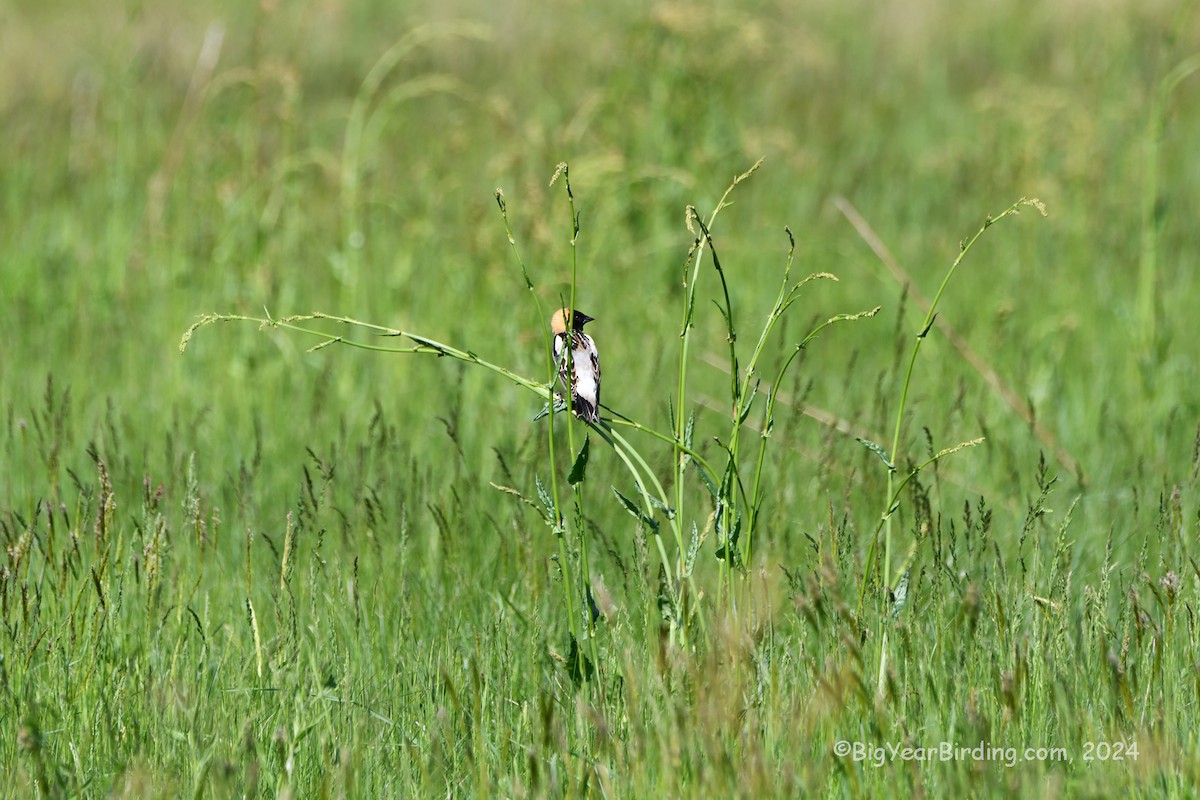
<point>146,182</point>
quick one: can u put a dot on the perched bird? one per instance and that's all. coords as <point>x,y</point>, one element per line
<point>580,370</point>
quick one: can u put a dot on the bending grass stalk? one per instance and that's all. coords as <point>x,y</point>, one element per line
<point>626,451</point>
<point>893,493</point>
<point>742,397</point>
<point>621,419</point>
<point>966,246</point>
<point>985,370</point>
<point>673,519</point>
<point>727,511</point>
<point>628,455</point>
<point>757,493</point>
<point>423,344</point>
<point>695,257</point>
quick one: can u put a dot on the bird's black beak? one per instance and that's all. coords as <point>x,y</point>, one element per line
<point>580,319</point>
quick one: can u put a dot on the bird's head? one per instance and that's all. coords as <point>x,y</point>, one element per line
<point>562,317</point>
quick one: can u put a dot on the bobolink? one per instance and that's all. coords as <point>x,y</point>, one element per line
<point>580,370</point>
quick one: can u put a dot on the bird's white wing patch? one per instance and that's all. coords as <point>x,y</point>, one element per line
<point>585,377</point>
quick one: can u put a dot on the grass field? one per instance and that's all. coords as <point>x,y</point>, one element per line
<point>258,569</point>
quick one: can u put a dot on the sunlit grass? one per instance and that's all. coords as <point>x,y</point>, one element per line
<point>265,568</point>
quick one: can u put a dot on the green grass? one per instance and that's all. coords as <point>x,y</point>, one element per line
<point>255,569</point>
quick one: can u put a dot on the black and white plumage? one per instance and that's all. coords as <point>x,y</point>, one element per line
<point>580,370</point>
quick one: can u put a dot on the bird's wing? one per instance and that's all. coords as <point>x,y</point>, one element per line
<point>560,358</point>
<point>596,372</point>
